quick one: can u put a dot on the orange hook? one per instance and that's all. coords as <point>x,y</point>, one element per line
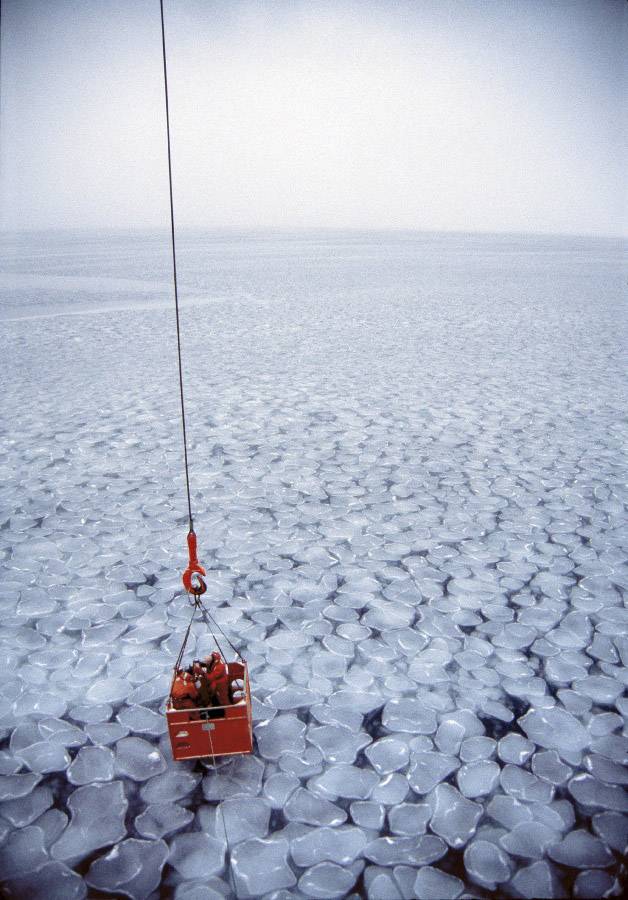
<point>193,585</point>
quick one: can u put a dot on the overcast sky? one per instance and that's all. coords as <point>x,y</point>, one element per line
<point>493,115</point>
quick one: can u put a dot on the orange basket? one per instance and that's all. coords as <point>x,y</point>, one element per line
<point>213,730</point>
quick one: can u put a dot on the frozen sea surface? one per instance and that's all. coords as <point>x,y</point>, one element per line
<point>409,476</point>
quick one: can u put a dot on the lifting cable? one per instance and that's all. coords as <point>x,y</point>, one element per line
<point>192,577</point>
<point>174,272</point>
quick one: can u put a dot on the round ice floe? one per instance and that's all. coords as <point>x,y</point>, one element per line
<point>141,720</point>
<point>476,779</point>
<point>14,786</point>
<point>105,733</point>
<point>428,768</point>
<point>132,868</point>
<point>432,884</point>
<point>340,845</point>
<point>342,780</point>
<point>53,881</point>
<point>589,792</point>
<point>98,812</point>
<point>245,818</point>
<point>581,850</point>
<point>391,789</point>
<point>367,814</point>
<point>475,748</point>
<point>91,764</point>
<point>594,883</point>
<point>408,715</point>
<point>548,766</point>
<point>508,812</point>
<point>138,759</point>
<point>303,806</point>
<point>599,688</point>
<point>258,862</point>
<point>454,818</point>
<point>530,840</point>
<point>326,880</point>
<point>278,787</point>
<point>25,810</point>
<point>486,864</point>
<point>337,744</point>
<point>97,712</point>
<point>515,749</point>
<point>292,697</point>
<point>555,729</point>
<point>388,754</point>
<point>196,855</point>
<point>449,736</point>
<point>356,701</point>
<point>284,732</point>
<point>159,819</point>
<point>536,880</point>
<point>416,851</point>
<point>45,757</point>
<point>242,776</point>
<point>612,827</point>
<point>524,785</point>
<point>409,818</point>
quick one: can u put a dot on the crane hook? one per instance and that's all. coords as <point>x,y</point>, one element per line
<point>192,581</point>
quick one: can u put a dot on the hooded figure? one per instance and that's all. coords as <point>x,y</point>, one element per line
<point>218,678</point>
<point>183,691</point>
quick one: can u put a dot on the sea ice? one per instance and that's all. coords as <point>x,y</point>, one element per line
<point>170,786</point>
<point>23,852</point>
<point>476,779</point>
<point>581,850</point>
<point>303,806</point>
<point>340,845</point>
<point>196,855</point>
<point>242,776</point>
<point>418,851</point>
<point>595,883</point>
<point>132,868</point>
<point>388,755</point>
<point>454,818</point>
<point>536,881</point>
<point>555,729</point>
<point>613,829</point>
<point>515,749</point>
<point>53,881</point>
<point>159,819</point>
<point>326,880</point>
<point>14,786</point>
<point>428,768</point>
<point>261,865</point>
<point>408,715</point>
<point>344,781</point>
<point>91,764</point>
<point>246,818</point>
<point>409,818</point>
<point>367,814</point>
<point>432,884</point>
<point>529,839</point>
<point>24,810</point>
<point>281,734</point>
<point>486,864</point>
<point>97,819</point>
<point>337,744</point>
<point>138,759</point>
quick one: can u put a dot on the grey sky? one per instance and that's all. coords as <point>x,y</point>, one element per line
<point>455,114</point>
